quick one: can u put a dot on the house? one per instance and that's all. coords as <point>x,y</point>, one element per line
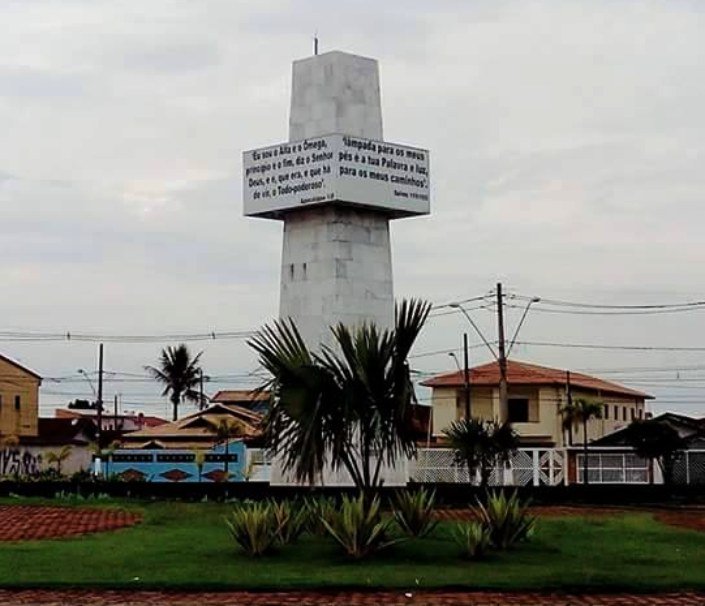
<point>612,458</point>
<point>19,399</point>
<point>30,454</point>
<point>198,430</point>
<point>111,422</point>
<point>247,398</point>
<point>536,396</point>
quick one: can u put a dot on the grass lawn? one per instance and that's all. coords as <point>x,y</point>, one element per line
<point>183,545</point>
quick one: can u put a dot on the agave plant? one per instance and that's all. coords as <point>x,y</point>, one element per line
<point>358,526</point>
<point>290,518</point>
<point>254,527</point>
<point>473,538</point>
<point>506,518</point>
<point>414,513</point>
<point>319,509</point>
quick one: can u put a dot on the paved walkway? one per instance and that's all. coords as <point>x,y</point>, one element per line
<point>387,598</point>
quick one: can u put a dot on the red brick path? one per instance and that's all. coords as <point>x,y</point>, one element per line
<point>23,523</point>
<point>387,598</point>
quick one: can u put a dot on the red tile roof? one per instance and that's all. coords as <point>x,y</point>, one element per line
<point>227,396</point>
<point>522,373</point>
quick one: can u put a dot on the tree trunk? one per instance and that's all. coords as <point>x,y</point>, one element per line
<point>175,405</point>
<point>585,455</point>
<point>225,466</point>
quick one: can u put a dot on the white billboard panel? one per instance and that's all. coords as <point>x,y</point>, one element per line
<point>336,169</point>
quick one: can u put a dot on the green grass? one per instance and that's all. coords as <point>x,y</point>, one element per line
<point>183,545</point>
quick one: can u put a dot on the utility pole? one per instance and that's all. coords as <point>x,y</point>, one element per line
<point>569,407</point>
<point>502,357</point>
<point>466,377</point>
<point>115,412</point>
<point>99,403</point>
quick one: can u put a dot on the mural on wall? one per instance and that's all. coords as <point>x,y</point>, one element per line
<point>16,461</point>
<point>172,465</point>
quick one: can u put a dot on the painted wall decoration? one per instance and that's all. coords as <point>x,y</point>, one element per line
<point>171,465</point>
<point>18,461</point>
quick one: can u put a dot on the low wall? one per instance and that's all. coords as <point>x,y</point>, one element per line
<point>31,460</point>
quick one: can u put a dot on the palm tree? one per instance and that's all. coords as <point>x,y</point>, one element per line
<point>180,375</point>
<point>58,457</point>
<point>224,431</point>
<point>349,407</point>
<point>581,411</point>
<point>568,414</point>
<point>656,441</point>
<point>199,459</point>
<point>481,444</point>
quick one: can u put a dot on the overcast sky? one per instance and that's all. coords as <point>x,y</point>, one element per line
<point>567,146</point>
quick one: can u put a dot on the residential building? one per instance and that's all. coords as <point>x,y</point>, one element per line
<point>19,399</point>
<point>198,430</point>
<point>111,422</point>
<point>536,396</point>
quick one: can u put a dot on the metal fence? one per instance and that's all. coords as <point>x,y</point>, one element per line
<point>613,468</point>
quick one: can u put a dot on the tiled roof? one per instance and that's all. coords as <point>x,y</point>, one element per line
<point>203,424</point>
<point>240,395</point>
<point>523,373</point>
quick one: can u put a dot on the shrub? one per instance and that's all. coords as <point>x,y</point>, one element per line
<point>413,512</point>
<point>290,519</point>
<point>358,527</point>
<point>473,538</point>
<point>319,509</point>
<point>506,518</point>
<point>254,528</point>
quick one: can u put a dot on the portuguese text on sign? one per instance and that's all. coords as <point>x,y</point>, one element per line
<point>336,169</point>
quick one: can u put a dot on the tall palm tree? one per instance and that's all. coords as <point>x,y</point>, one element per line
<point>350,407</point>
<point>481,445</point>
<point>180,375</point>
<point>581,412</point>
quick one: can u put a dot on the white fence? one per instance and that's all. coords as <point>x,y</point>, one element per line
<point>613,468</point>
<point>527,467</point>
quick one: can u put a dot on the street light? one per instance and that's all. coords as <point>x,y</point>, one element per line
<point>472,323</point>
<point>521,322</point>
<point>455,359</point>
<point>88,378</point>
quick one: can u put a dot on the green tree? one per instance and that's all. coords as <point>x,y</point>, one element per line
<point>224,430</point>
<point>657,441</point>
<point>481,445</point>
<point>179,372</point>
<point>58,457</point>
<point>580,413</point>
<point>348,406</point>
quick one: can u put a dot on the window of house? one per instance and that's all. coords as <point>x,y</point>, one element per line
<point>606,414</point>
<point>632,413</point>
<point>624,413</point>
<point>18,402</point>
<point>518,410</point>
<point>616,412</point>
<point>639,412</point>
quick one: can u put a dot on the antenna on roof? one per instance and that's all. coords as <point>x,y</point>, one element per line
<point>315,42</point>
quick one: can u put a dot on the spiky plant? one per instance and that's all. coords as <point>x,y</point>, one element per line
<point>473,537</point>
<point>506,518</point>
<point>254,528</point>
<point>414,512</point>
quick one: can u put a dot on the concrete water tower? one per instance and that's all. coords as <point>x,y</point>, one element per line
<point>336,184</point>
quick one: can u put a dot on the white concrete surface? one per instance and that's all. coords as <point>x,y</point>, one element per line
<point>335,93</point>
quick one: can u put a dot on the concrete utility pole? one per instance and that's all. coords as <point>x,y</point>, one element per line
<point>466,377</point>
<point>502,357</point>
<point>99,403</point>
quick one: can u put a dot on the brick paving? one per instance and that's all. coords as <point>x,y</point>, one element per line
<point>31,522</point>
<point>388,598</point>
